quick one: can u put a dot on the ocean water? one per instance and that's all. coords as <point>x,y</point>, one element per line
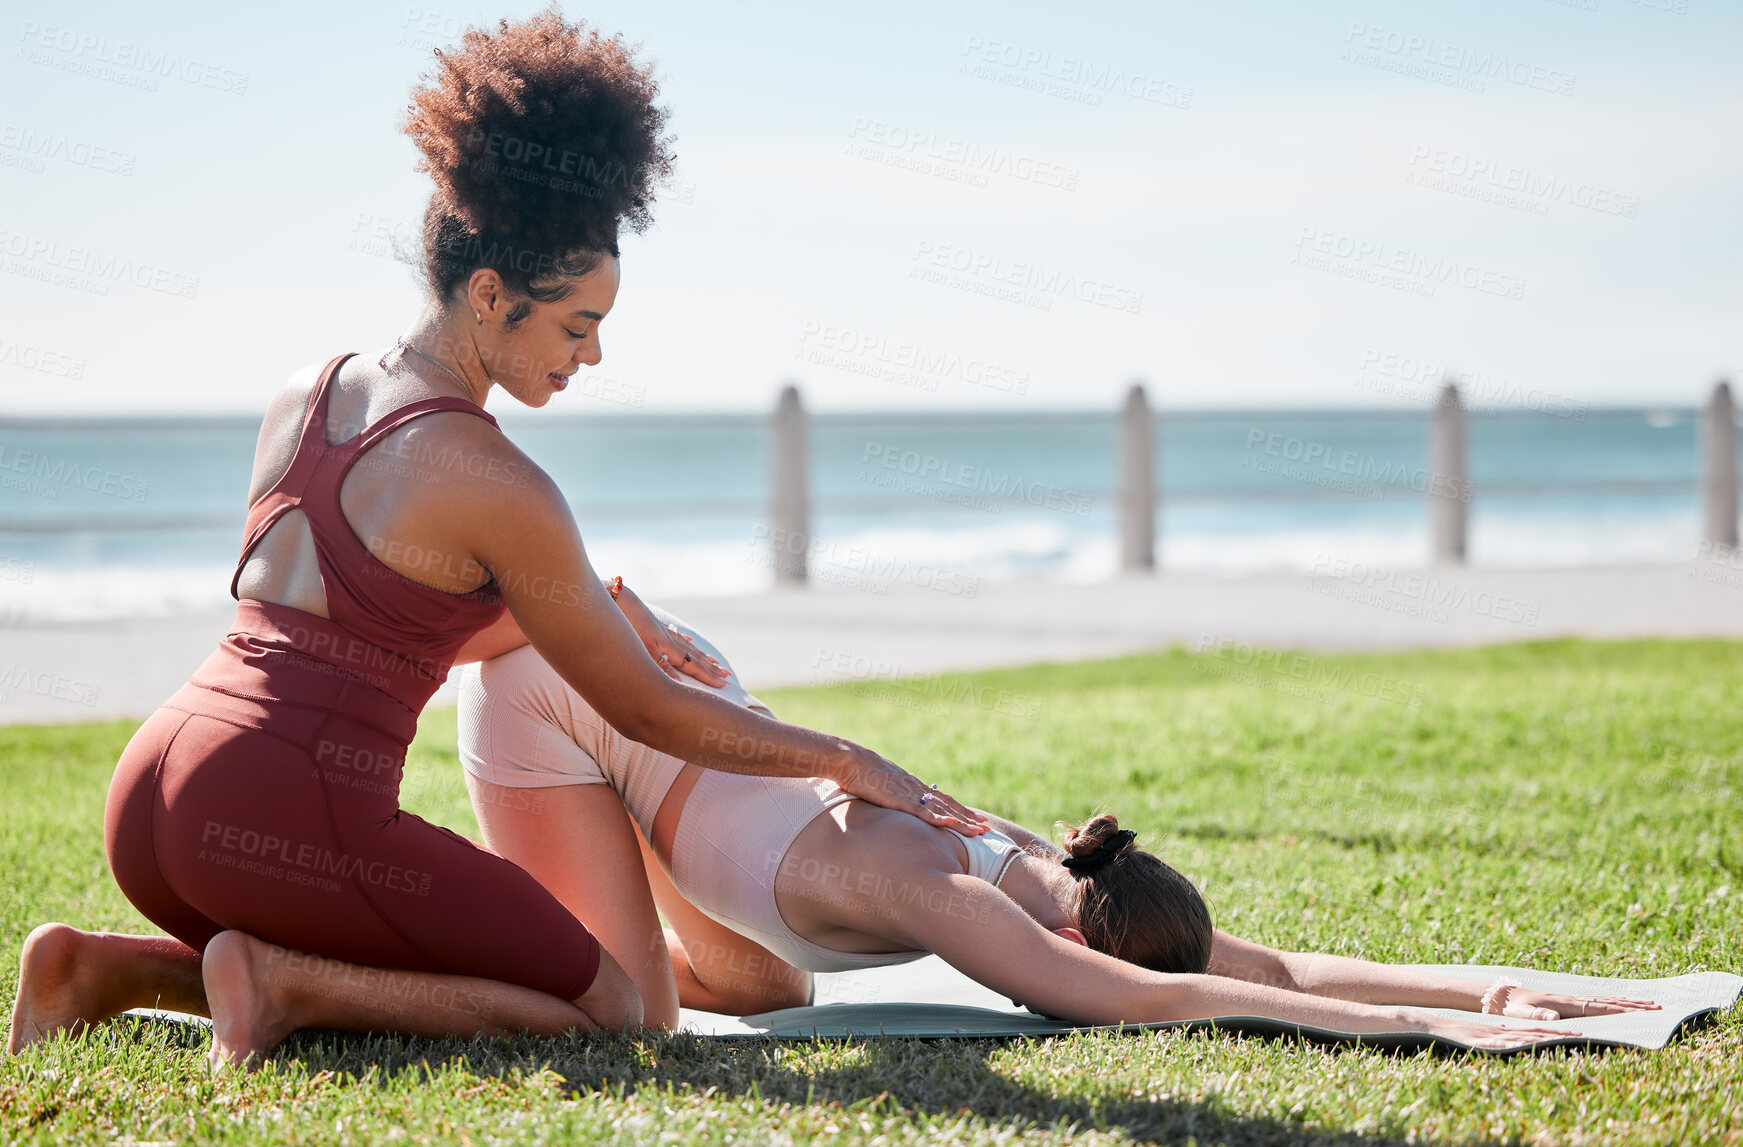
<point>110,519</point>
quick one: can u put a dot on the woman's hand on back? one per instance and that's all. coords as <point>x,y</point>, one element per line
<point>877,780</point>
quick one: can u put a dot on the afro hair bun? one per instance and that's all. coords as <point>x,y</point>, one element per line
<point>543,140</point>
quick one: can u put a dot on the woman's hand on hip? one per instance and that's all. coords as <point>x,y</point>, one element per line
<point>671,650</point>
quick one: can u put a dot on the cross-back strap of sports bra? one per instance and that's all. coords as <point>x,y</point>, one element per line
<point>421,626</point>
<point>319,467</point>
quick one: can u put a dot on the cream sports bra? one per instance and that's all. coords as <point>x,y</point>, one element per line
<point>989,854</point>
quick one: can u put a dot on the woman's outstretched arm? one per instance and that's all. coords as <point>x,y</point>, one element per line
<point>983,933</point>
<point>1363,981</point>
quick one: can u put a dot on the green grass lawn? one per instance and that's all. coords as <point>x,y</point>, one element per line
<point>1564,805</point>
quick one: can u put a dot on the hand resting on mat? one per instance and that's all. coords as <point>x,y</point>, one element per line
<point>1490,1037</point>
<point>1523,1002</point>
<point>1364,981</point>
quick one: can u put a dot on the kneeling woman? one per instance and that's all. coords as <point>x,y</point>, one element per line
<point>768,879</point>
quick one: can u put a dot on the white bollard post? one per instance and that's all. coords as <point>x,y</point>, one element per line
<point>789,504</point>
<point>1137,483</point>
<point>1719,467</point>
<point>1449,479</point>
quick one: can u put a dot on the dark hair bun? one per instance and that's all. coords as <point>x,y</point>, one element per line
<point>543,139</point>
<point>1081,842</point>
<point>1138,909</point>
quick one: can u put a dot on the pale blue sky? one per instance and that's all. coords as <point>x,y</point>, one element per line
<point>1276,157</point>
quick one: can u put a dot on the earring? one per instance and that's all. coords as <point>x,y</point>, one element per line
<point>479,315</point>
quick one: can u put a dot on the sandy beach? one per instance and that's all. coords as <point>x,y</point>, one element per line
<point>123,669</point>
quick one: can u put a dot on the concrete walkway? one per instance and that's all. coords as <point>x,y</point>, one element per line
<point>124,669</point>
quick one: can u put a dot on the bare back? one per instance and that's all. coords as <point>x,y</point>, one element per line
<point>403,497</point>
<point>876,851</point>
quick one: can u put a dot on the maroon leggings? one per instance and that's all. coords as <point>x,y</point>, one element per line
<point>263,797</point>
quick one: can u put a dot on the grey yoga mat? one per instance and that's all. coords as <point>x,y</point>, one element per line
<point>930,1000</point>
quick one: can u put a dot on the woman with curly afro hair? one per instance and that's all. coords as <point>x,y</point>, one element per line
<point>394,531</point>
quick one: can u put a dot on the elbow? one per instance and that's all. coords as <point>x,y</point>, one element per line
<point>641,714</point>
<point>664,715</point>
<point>640,726</point>
<point>682,722</point>
<point>1290,972</point>
<point>1180,996</point>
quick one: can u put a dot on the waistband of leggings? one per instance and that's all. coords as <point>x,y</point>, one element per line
<point>271,663</point>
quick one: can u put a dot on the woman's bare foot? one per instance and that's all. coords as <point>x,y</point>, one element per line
<point>250,1012</point>
<point>60,986</point>
<point>69,980</point>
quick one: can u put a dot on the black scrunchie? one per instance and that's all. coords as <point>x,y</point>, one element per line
<point>1110,848</point>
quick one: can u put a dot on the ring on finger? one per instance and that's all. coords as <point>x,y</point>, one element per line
<point>665,660</point>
